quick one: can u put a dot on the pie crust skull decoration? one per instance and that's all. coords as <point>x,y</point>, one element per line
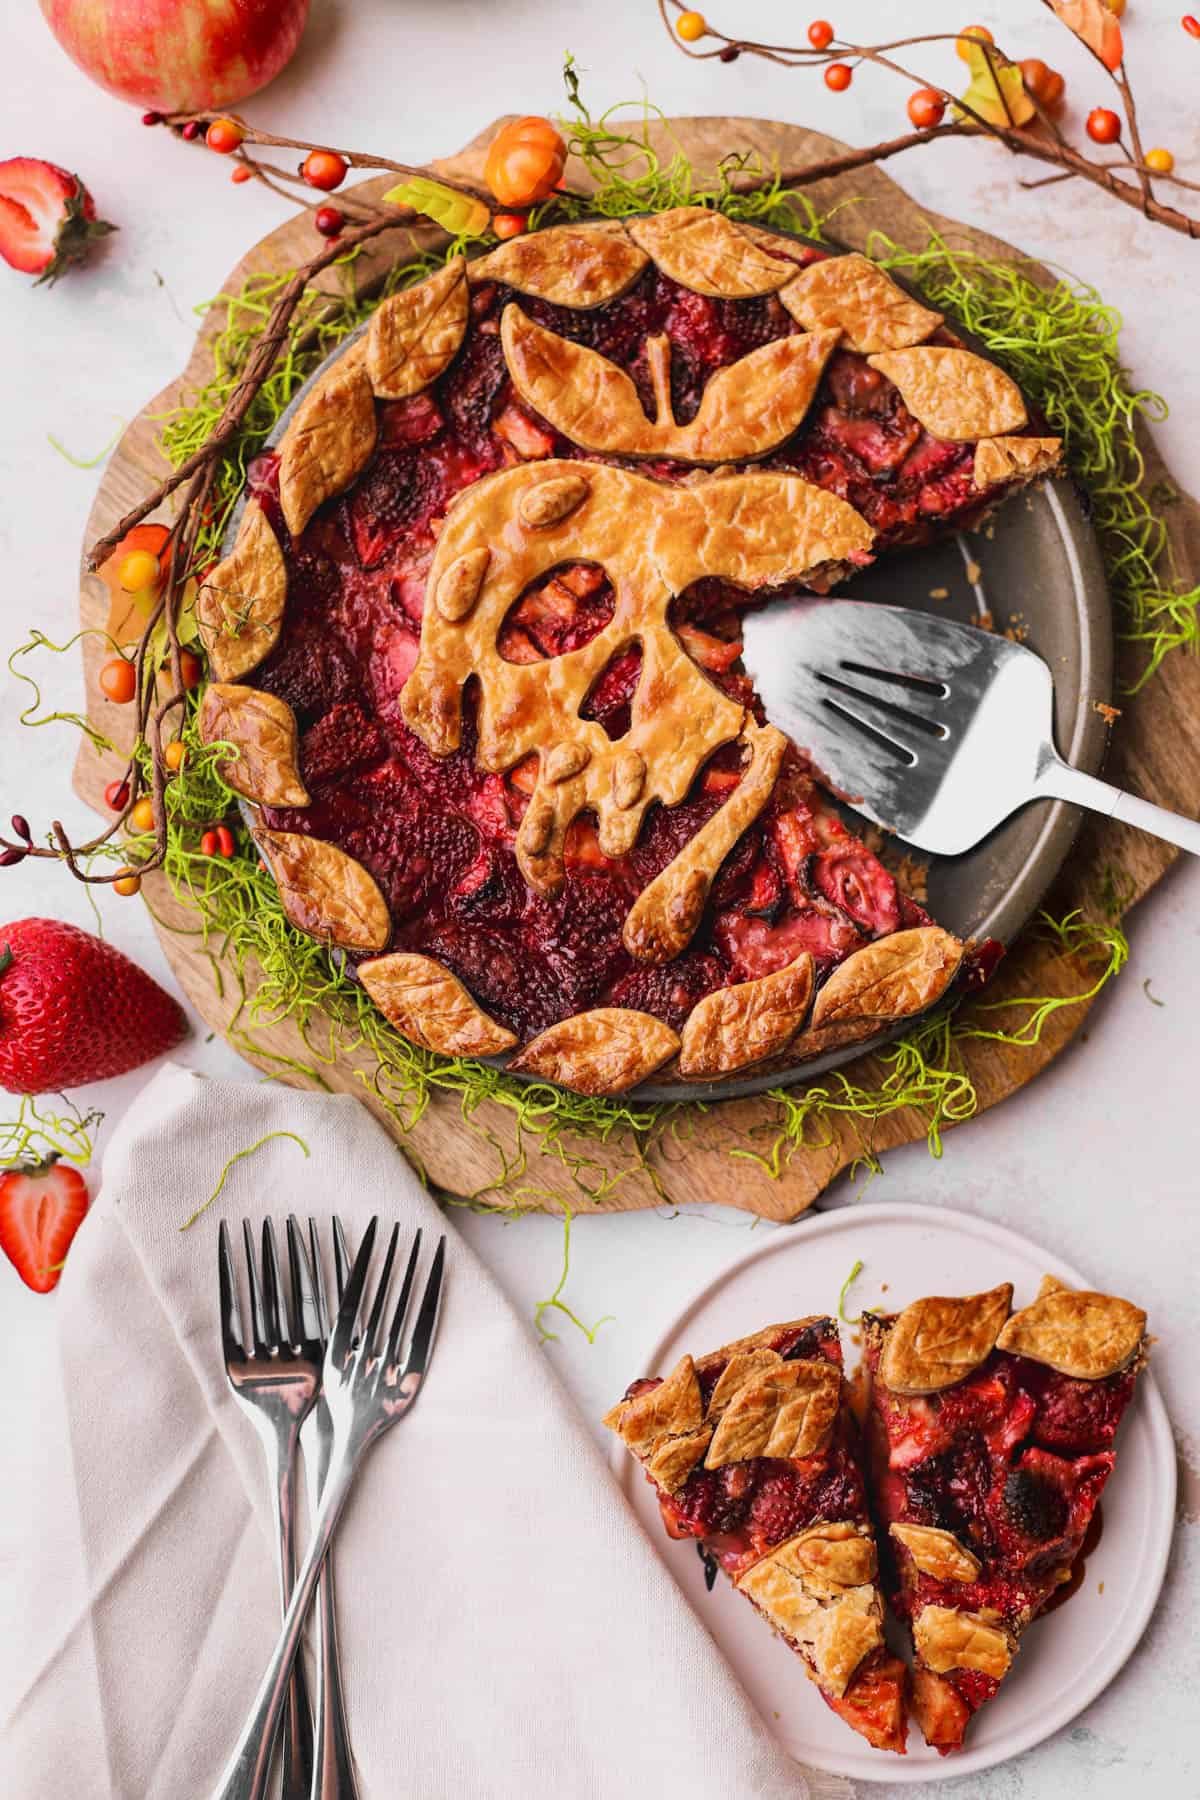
<point>475,643</point>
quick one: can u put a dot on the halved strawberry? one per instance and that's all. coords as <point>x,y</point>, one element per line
<point>41,1208</point>
<point>47,217</point>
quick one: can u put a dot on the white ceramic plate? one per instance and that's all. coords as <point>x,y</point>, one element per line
<point>1067,1658</point>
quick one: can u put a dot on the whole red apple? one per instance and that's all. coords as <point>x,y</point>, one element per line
<point>178,55</point>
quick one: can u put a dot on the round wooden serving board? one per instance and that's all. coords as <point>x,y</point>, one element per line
<point>1155,752</point>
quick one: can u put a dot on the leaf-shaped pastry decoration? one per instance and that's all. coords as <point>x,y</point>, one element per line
<point>835,1625</point>
<point>742,1367</point>
<point>939,1341</point>
<point>414,336</point>
<point>706,252</point>
<point>1096,25</point>
<point>325,892</point>
<point>953,393</point>
<point>854,295</point>
<point>936,1552</point>
<point>430,1006</point>
<point>328,441</point>
<point>747,409</point>
<point>1007,459</point>
<point>945,1638</point>
<point>784,1412</point>
<point>670,1409</point>
<point>239,608</point>
<point>264,731</point>
<point>676,1457</point>
<point>665,914</point>
<point>893,978</point>
<point>747,1022</point>
<point>580,266</point>
<point>462,215</point>
<point>1086,1335</point>
<point>600,1052</point>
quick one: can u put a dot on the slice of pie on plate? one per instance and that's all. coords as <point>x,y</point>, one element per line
<point>990,1438</point>
<point>476,643</point>
<point>754,1453</point>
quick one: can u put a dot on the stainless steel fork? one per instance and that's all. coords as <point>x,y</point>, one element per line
<point>275,1379</point>
<point>333,1776</point>
<point>369,1386</point>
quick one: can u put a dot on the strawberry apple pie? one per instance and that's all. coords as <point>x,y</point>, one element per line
<point>476,643</point>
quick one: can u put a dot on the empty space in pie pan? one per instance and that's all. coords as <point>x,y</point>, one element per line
<point>1034,567</point>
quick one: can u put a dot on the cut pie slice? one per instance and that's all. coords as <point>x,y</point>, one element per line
<point>990,1437</point>
<point>754,1453</point>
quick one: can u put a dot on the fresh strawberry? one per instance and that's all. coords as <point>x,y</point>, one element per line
<point>73,1009</point>
<point>47,217</point>
<point>41,1208</point>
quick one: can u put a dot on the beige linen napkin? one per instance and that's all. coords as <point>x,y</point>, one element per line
<point>507,1629</point>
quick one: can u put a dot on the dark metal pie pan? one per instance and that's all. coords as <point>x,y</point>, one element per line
<point>1034,566</point>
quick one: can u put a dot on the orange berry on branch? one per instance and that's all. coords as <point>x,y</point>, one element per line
<point>508,225</point>
<point>138,569</point>
<point>980,33</point>
<point>127,883</point>
<point>174,755</point>
<point>208,844</point>
<point>691,25</point>
<point>190,668</point>
<point>116,796</point>
<point>118,680</point>
<point>1191,25</point>
<point>1042,83</point>
<point>141,817</point>
<point>838,76</point>
<point>525,162</point>
<point>330,221</point>
<point>926,108</point>
<point>324,169</point>
<point>240,174</point>
<point>1103,125</point>
<point>224,136</point>
<point>820,34</point>
<point>225,841</point>
<point>1160,161</point>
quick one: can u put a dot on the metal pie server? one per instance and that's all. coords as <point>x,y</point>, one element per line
<point>934,730</point>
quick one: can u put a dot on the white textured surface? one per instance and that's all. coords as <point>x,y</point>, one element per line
<point>1098,1158</point>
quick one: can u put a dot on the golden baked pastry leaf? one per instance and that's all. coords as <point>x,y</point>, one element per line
<point>239,605</point>
<point>953,393</point>
<point>892,978</point>
<point>429,1005</point>
<point>938,1341</point>
<point>1086,1335</point>
<point>329,441</point>
<point>1021,459</point>
<point>746,1023</point>
<point>946,1638</point>
<point>742,1367</point>
<point>855,296</point>
<point>580,266</point>
<point>600,1052</point>
<point>936,1552</point>
<point>708,253</point>
<point>672,1409</point>
<point>414,335</point>
<point>785,1412</point>
<point>836,1626</point>
<point>325,892</point>
<point>264,730</point>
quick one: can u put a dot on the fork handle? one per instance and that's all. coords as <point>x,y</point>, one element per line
<point>1060,780</point>
<point>333,1776</point>
<point>246,1774</point>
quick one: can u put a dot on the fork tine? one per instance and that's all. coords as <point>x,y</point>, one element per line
<point>392,1353</point>
<point>231,1312</point>
<point>371,1334</point>
<point>277,1329</point>
<point>341,1257</point>
<point>256,1306</point>
<point>306,1321</point>
<point>347,1315</point>
<point>423,1330</point>
<point>314,1253</point>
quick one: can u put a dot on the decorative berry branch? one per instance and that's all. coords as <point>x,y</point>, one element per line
<point>1009,101</point>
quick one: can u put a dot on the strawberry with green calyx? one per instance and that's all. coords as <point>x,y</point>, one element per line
<point>47,218</point>
<point>74,1009</point>
<point>42,1206</point>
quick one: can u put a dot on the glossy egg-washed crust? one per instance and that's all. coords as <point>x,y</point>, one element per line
<point>922,1355</point>
<point>757,530</point>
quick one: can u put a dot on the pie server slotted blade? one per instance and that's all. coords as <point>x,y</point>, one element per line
<point>934,730</point>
